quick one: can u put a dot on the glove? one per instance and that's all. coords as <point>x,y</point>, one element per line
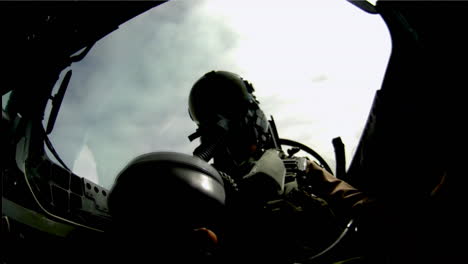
<point>341,196</point>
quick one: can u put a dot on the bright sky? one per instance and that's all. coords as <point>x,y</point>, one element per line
<point>315,66</point>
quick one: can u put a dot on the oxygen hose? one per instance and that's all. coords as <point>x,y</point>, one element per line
<point>206,151</point>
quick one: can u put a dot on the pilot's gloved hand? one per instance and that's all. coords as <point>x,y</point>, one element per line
<point>342,197</point>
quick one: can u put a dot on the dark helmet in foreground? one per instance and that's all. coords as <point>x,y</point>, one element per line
<point>168,184</point>
<point>175,199</point>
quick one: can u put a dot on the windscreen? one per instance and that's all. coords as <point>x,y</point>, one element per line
<point>315,67</point>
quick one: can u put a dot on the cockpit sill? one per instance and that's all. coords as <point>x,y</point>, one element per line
<point>42,194</point>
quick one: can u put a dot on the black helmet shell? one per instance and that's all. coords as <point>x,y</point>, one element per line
<point>219,93</point>
<point>175,185</point>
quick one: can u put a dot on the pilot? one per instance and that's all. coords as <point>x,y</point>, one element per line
<point>234,133</point>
